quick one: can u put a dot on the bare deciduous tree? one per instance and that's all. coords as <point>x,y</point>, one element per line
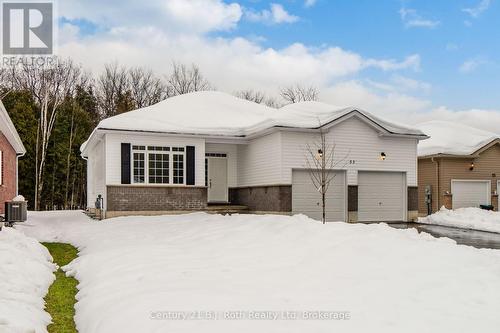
<point>258,97</point>
<point>112,84</point>
<point>6,80</point>
<point>146,89</point>
<point>321,162</point>
<point>299,93</point>
<point>49,83</point>
<point>251,95</point>
<point>122,89</point>
<point>184,80</point>
<point>273,103</point>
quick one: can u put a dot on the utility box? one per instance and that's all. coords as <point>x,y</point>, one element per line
<point>16,211</point>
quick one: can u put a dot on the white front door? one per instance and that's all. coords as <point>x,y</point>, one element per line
<point>217,179</point>
<point>470,193</point>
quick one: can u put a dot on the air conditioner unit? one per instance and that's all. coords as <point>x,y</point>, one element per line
<point>16,211</point>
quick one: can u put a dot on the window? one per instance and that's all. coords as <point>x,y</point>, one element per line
<point>178,169</point>
<point>165,165</point>
<point>159,168</point>
<point>139,162</point>
<point>215,155</point>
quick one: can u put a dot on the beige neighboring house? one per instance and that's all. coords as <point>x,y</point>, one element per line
<point>460,165</point>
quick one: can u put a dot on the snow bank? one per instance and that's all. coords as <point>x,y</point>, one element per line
<point>134,272</point>
<point>25,276</point>
<point>466,218</point>
<point>452,138</point>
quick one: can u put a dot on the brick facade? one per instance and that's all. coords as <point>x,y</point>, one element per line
<point>352,198</point>
<point>412,198</point>
<point>263,198</point>
<point>152,198</point>
<point>8,185</point>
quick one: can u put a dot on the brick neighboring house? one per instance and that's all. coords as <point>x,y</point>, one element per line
<point>461,164</point>
<point>211,148</point>
<point>11,148</point>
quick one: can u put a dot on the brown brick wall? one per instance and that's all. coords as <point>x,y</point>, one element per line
<point>150,198</point>
<point>263,198</point>
<point>412,198</point>
<point>8,186</point>
<point>352,198</point>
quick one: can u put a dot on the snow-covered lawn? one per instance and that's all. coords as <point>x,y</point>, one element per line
<point>136,271</point>
<point>25,276</point>
<point>466,218</point>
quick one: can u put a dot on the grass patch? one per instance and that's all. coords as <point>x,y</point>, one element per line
<point>60,300</point>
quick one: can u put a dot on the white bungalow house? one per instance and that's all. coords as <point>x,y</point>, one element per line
<point>203,148</point>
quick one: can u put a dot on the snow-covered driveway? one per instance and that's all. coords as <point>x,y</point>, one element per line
<point>134,272</point>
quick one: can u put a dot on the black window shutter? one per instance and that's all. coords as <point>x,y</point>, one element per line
<point>126,163</point>
<point>190,165</point>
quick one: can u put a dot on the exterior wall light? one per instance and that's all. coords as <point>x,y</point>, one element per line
<point>471,166</point>
<point>383,156</point>
<point>319,155</point>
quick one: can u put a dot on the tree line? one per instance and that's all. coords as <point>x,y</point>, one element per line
<point>56,105</point>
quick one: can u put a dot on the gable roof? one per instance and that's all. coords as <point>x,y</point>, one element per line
<point>213,113</point>
<point>9,130</point>
<point>455,139</point>
<point>315,113</point>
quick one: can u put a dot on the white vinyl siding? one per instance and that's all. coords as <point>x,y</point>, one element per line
<point>306,199</point>
<point>361,144</point>
<point>259,162</point>
<point>381,196</point>
<point>231,151</point>
<point>96,174</point>
<point>113,152</point>
<point>470,193</point>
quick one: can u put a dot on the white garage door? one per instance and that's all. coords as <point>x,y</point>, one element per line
<point>381,196</point>
<point>470,193</point>
<point>307,200</point>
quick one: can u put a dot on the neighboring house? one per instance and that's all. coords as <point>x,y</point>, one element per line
<point>461,164</point>
<point>11,148</point>
<point>210,147</point>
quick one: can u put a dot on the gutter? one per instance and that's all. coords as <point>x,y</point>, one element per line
<point>17,171</point>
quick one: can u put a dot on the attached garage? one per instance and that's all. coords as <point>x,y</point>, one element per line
<point>470,193</point>
<point>381,196</point>
<point>307,200</point>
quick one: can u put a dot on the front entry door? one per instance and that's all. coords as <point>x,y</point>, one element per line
<point>217,179</point>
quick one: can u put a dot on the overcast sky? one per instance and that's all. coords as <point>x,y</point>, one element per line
<point>411,61</point>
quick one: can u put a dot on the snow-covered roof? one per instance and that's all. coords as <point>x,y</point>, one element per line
<point>214,113</point>
<point>9,130</point>
<point>311,114</point>
<point>451,138</point>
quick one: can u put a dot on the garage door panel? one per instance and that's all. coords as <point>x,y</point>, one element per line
<point>470,193</point>
<point>307,200</point>
<point>381,196</point>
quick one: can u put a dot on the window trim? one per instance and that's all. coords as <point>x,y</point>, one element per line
<point>165,150</point>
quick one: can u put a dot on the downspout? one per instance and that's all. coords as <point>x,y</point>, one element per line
<point>17,172</point>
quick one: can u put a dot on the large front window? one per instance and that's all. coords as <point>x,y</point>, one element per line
<point>158,165</point>
<point>159,168</point>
